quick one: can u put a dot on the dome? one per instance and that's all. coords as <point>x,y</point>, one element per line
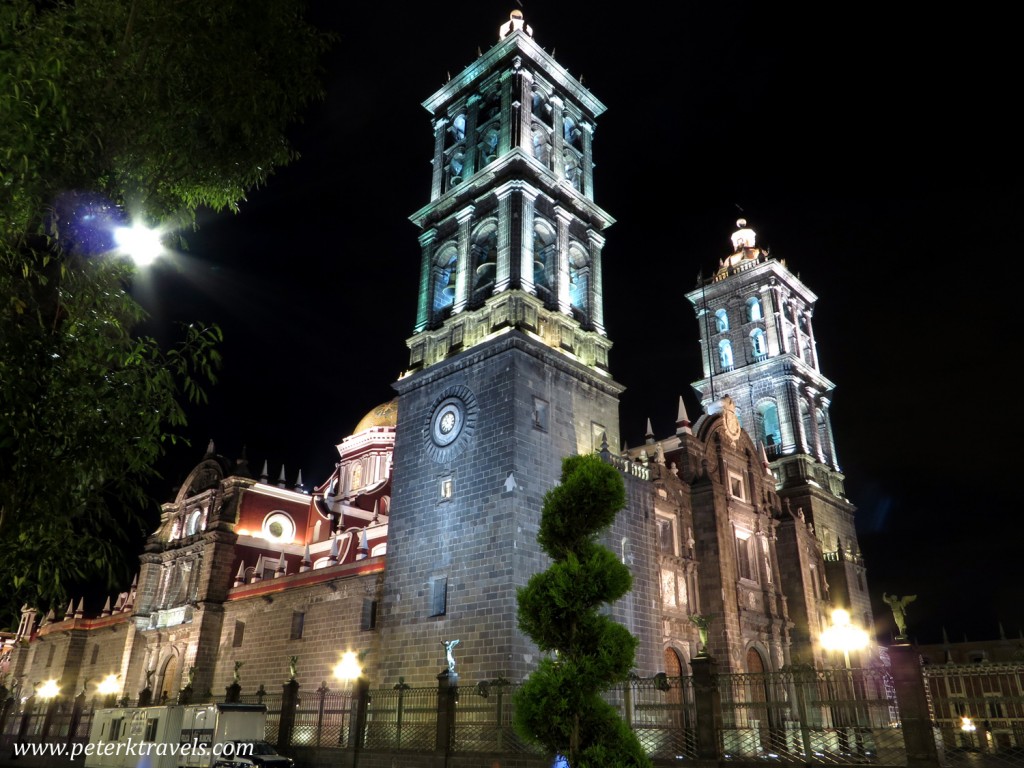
<point>384,415</point>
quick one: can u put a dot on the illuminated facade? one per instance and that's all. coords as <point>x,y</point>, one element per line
<point>428,524</point>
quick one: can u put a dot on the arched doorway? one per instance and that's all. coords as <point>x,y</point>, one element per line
<point>170,678</point>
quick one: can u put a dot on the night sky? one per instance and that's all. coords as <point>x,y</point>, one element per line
<point>866,146</point>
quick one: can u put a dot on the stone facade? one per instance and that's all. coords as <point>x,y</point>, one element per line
<point>736,525</point>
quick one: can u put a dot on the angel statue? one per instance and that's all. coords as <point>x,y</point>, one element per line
<point>701,623</point>
<point>898,606</point>
<point>449,650</point>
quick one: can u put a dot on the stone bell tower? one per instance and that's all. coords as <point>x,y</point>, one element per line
<point>508,359</point>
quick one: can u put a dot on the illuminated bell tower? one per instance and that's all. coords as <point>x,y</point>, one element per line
<point>759,348</point>
<point>508,360</point>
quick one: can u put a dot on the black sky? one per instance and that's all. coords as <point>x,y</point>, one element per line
<point>868,146</point>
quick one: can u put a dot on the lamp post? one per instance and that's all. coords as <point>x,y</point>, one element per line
<point>967,727</point>
<point>350,671</point>
<point>843,636</point>
<point>48,692</point>
<point>108,689</point>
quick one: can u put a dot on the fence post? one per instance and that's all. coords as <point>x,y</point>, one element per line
<point>707,704</point>
<point>26,716</point>
<point>358,725</point>
<point>803,676</point>
<point>7,706</point>
<point>289,702</point>
<point>76,716</point>
<point>915,714</point>
<point>447,694</point>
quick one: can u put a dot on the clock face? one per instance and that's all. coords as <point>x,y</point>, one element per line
<point>447,421</point>
<point>449,428</point>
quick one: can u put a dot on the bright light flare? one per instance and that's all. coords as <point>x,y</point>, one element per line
<point>842,635</point>
<point>967,725</point>
<point>141,243</point>
<point>348,668</point>
<point>49,689</point>
<point>109,685</point>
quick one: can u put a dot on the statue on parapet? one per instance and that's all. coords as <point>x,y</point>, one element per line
<point>898,606</point>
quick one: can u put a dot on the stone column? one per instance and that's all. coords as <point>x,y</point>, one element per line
<point>810,338</point>
<point>289,702</point>
<point>423,303</point>
<point>503,273</point>
<point>587,185</point>
<point>557,138</point>
<point>523,104</point>
<point>915,714</point>
<point>527,196</point>
<point>447,696</point>
<point>563,217</point>
<point>707,703</point>
<point>469,142</point>
<point>595,290</point>
<point>437,179</point>
<point>462,268</point>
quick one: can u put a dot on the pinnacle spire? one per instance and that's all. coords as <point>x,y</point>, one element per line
<point>682,419</point>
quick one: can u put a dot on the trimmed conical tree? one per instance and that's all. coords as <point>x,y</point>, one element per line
<point>560,707</point>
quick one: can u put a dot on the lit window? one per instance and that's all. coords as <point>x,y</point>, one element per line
<point>736,487</point>
<point>721,320</point>
<point>743,558</point>
<point>758,344</point>
<point>447,488</point>
<point>754,309</point>
<point>725,354</point>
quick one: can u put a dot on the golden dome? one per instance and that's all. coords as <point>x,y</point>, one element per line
<point>384,415</point>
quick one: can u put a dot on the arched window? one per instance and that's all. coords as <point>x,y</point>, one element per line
<point>543,256</point>
<point>722,320</point>
<point>759,344</point>
<point>771,433</point>
<point>444,278</point>
<point>485,260</point>
<point>725,354</point>
<point>458,128</point>
<point>754,309</point>
<point>579,278</point>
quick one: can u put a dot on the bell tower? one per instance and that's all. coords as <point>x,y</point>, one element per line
<point>758,347</point>
<point>508,359</point>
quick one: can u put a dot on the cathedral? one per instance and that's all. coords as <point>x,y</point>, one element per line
<point>737,530</point>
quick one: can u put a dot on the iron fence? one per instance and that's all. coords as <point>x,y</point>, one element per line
<point>978,711</point>
<point>829,717</point>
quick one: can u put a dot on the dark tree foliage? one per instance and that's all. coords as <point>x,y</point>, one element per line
<point>115,110</point>
<point>560,705</point>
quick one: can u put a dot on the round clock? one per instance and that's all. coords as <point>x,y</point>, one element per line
<point>449,428</point>
<point>447,421</point>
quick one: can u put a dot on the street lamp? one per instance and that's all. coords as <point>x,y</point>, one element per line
<point>843,636</point>
<point>108,688</point>
<point>350,670</point>
<point>140,243</point>
<point>49,689</point>
<point>968,728</point>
